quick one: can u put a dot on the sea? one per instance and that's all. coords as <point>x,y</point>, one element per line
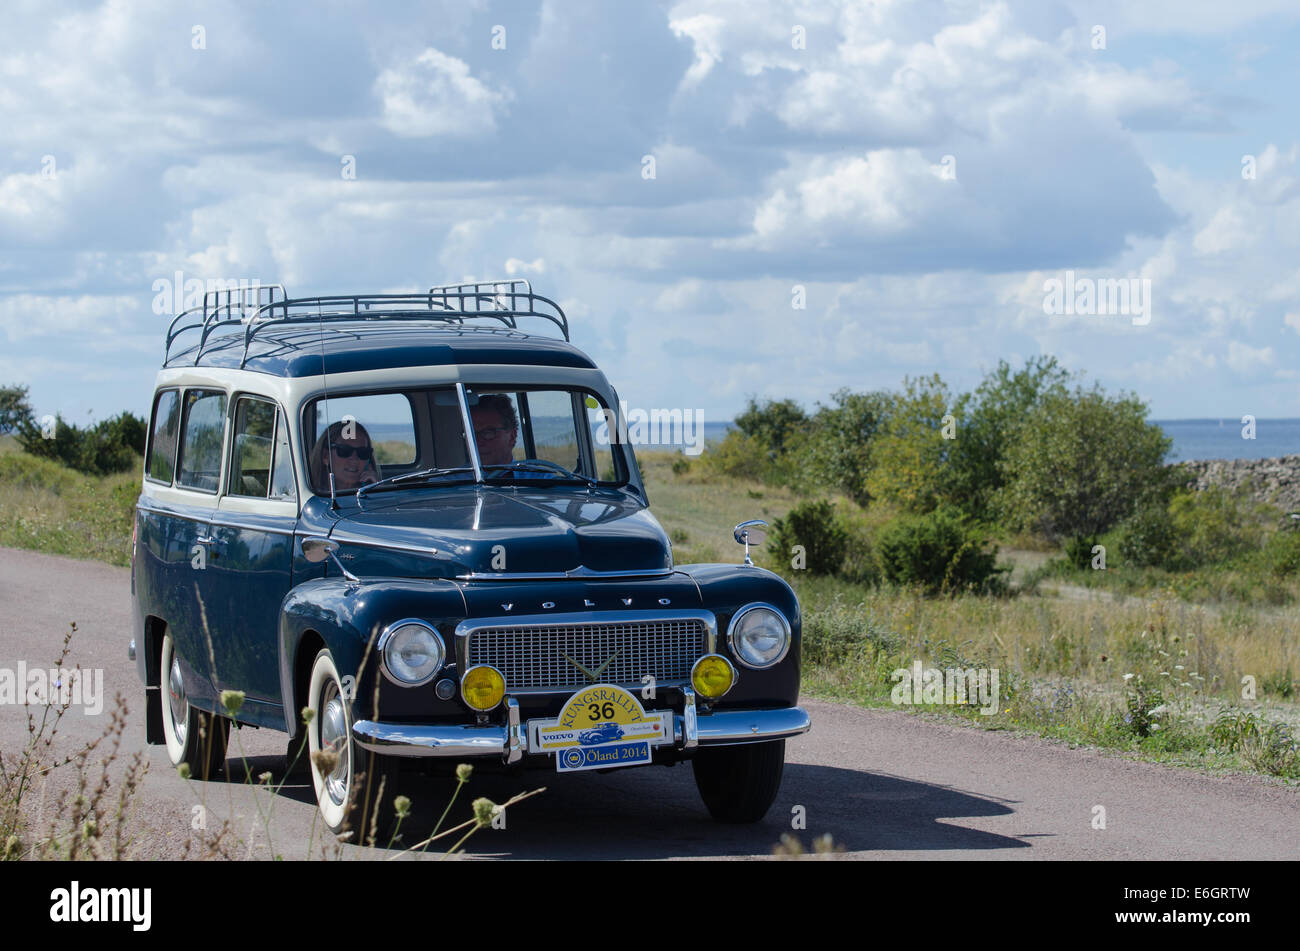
<point>1193,438</point>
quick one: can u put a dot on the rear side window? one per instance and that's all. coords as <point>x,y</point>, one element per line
<point>162,436</point>
<point>205,423</point>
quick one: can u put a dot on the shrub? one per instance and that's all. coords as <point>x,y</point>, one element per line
<point>738,456</point>
<point>1081,462</point>
<point>939,551</point>
<point>1215,525</point>
<point>111,445</point>
<point>772,422</point>
<point>1282,553</point>
<point>1148,538</point>
<point>813,525</point>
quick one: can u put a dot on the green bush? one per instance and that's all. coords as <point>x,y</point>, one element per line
<point>813,525</point>
<point>939,551</point>
<point>111,445</point>
<point>772,423</point>
<point>1149,538</point>
<point>1082,462</point>
<point>1215,525</point>
<point>1282,553</point>
<point>738,456</point>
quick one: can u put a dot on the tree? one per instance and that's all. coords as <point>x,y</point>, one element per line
<point>837,451</point>
<point>772,423</point>
<point>1081,462</point>
<point>14,408</point>
<point>910,455</point>
<point>987,420</point>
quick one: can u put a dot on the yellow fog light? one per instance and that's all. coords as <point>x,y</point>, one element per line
<point>483,687</point>
<point>712,676</point>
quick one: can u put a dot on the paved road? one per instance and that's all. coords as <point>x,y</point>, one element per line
<point>883,783</point>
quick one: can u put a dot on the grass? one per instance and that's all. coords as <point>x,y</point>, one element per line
<point>49,508</point>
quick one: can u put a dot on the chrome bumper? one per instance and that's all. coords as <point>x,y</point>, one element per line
<point>510,742</point>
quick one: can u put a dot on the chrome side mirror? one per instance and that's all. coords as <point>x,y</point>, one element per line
<point>753,532</point>
<point>316,548</point>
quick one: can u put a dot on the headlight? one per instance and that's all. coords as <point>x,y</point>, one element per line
<point>483,687</point>
<point>413,652</point>
<point>759,635</point>
<point>712,676</point>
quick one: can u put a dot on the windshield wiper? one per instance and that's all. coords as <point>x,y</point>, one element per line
<point>544,466</point>
<point>412,477</point>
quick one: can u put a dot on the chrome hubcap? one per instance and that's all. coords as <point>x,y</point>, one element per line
<point>334,737</point>
<point>176,700</point>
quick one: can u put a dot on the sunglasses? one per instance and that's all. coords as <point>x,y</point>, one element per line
<point>364,453</point>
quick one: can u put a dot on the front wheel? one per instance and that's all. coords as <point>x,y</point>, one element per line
<point>343,790</point>
<point>739,783</point>
<point>193,737</point>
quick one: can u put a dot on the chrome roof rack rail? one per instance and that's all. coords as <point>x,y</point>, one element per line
<point>235,303</point>
<point>500,301</point>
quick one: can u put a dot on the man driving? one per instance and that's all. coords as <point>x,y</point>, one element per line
<point>496,427</point>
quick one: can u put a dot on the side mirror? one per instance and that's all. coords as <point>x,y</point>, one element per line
<point>316,548</point>
<point>753,532</point>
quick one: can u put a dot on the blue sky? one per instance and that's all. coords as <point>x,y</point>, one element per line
<point>920,169</point>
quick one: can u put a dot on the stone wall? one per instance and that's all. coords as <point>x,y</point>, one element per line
<point>1276,481</point>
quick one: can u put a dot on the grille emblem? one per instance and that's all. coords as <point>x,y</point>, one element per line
<point>588,602</point>
<point>508,607</point>
<point>665,601</point>
<point>627,601</point>
<point>548,604</point>
<point>593,676</point>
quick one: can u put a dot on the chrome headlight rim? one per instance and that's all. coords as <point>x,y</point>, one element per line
<point>735,623</point>
<point>386,637</point>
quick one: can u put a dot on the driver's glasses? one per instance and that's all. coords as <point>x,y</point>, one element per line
<point>364,453</point>
<point>485,435</point>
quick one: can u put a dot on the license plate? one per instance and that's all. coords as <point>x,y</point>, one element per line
<point>600,727</point>
<point>602,757</point>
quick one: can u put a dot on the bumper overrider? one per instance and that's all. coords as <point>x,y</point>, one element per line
<point>691,729</point>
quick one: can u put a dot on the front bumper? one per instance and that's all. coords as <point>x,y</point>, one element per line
<point>510,742</point>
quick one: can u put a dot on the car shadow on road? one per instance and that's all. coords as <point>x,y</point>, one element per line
<point>656,813</point>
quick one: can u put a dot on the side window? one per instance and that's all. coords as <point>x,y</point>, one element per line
<point>283,485</point>
<point>250,455</point>
<point>205,419</point>
<point>162,436</point>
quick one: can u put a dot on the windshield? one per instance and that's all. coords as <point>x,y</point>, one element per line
<point>409,437</point>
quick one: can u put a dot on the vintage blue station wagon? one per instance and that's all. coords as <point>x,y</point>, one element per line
<point>407,517</point>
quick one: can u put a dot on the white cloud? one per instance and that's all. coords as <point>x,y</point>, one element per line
<point>435,94</point>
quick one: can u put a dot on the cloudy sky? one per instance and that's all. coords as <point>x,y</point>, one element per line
<point>679,176</point>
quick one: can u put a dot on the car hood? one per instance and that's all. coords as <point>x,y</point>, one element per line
<point>493,530</point>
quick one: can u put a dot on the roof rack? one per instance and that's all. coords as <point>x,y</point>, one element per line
<point>502,301</point>
<point>248,298</point>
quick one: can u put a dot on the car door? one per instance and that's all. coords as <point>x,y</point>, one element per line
<point>252,556</point>
<point>176,515</point>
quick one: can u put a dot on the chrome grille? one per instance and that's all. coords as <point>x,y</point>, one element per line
<point>533,656</point>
